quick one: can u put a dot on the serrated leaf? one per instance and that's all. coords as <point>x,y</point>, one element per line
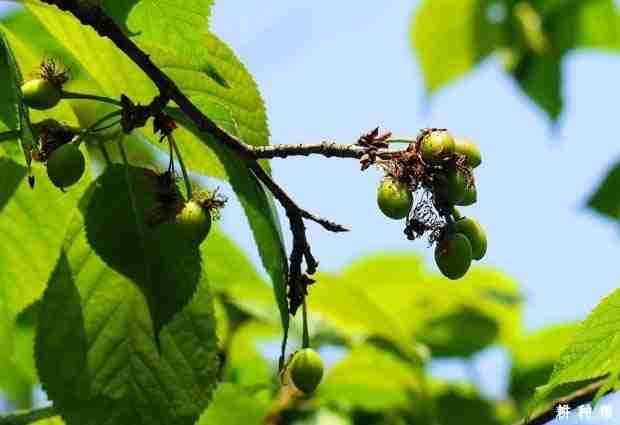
<point>114,370</point>
<point>104,63</point>
<point>32,225</point>
<point>592,353</point>
<point>233,405</point>
<point>257,204</point>
<point>370,379</point>
<point>604,200</point>
<point>157,259</point>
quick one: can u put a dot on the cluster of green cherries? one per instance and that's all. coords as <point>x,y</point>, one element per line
<point>66,164</point>
<point>451,159</point>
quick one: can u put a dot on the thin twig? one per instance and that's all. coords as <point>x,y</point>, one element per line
<point>90,14</point>
<point>28,416</point>
<point>327,149</point>
<point>573,401</point>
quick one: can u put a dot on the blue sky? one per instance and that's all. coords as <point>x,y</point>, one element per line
<point>332,70</point>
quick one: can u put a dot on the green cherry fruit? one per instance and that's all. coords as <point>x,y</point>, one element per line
<point>65,165</point>
<point>40,94</point>
<point>453,255</point>
<point>306,370</point>
<point>451,186</point>
<point>437,146</point>
<point>471,195</point>
<point>193,222</point>
<point>394,198</point>
<point>476,235</point>
<point>469,150</point>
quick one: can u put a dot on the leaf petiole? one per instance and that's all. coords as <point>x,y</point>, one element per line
<point>72,95</point>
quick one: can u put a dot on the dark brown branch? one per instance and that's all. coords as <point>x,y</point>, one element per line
<point>90,14</point>
<point>574,400</point>
<point>327,149</point>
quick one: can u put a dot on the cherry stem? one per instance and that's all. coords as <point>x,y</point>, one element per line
<point>305,339</point>
<point>188,184</point>
<point>104,153</point>
<point>95,127</point>
<point>72,95</point>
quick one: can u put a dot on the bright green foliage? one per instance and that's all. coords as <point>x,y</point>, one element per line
<point>459,333</point>
<point>306,369</point>
<point>605,199</point>
<point>370,378</point>
<point>451,37</point>
<point>65,165</point>
<point>155,258</point>
<point>114,368</point>
<point>246,365</point>
<point>37,222</point>
<point>9,109</point>
<point>234,405</point>
<point>591,354</point>
<point>394,198</point>
<point>533,357</point>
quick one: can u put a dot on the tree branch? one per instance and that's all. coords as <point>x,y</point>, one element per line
<point>90,14</point>
<point>28,416</point>
<point>574,400</point>
<point>327,149</point>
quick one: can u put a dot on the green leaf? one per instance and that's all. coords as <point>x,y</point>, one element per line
<point>157,259</point>
<point>604,200</point>
<point>450,38</point>
<point>246,364</point>
<point>393,296</point>
<point>370,379</point>
<point>187,65</point>
<point>460,404</point>
<point>533,356</point>
<point>113,371</point>
<point>460,333</point>
<point>32,224</point>
<point>233,275</point>
<point>232,405</point>
<point>591,24</point>
<point>592,353</point>
<point>179,24</point>
<point>11,175</point>
<point>19,377</point>
<point>540,77</point>
<point>9,92</point>
<point>257,204</point>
